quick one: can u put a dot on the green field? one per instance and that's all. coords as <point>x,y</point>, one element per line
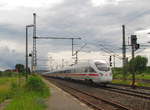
<point>6,91</point>
<point>24,95</point>
<point>129,76</point>
<point>118,78</point>
<point>129,82</point>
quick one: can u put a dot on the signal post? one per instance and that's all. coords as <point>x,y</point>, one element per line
<point>134,47</point>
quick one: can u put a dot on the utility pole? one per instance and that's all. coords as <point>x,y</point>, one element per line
<point>133,69</point>
<point>114,61</point>
<point>27,26</point>
<point>76,53</point>
<point>62,63</point>
<point>72,46</point>
<point>76,57</point>
<point>26,52</point>
<point>34,65</point>
<point>124,52</point>
<point>50,63</point>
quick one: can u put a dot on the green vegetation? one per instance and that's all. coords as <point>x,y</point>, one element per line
<point>5,88</point>
<point>129,82</point>
<point>143,76</point>
<point>118,78</point>
<point>8,74</point>
<point>26,101</point>
<point>35,84</point>
<point>24,95</point>
<point>20,68</point>
<point>138,64</point>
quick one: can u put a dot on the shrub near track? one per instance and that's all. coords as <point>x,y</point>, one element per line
<point>35,83</point>
<point>30,96</point>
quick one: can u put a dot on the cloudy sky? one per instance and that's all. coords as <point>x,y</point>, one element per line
<point>97,22</point>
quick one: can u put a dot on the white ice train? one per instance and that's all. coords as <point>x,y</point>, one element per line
<point>97,71</point>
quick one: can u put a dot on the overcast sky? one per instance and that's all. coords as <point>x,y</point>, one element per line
<point>95,21</point>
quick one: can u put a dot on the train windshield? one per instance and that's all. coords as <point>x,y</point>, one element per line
<point>102,66</point>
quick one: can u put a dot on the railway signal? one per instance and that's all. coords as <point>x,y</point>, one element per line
<point>134,42</point>
<point>134,46</point>
<point>137,46</point>
<point>110,61</point>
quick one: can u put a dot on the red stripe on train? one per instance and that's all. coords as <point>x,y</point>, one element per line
<point>86,74</point>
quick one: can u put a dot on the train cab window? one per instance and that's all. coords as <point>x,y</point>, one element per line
<point>68,71</point>
<point>86,70</point>
<point>102,66</point>
<point>91,70</point>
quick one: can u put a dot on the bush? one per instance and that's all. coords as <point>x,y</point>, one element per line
<point>36,84</point>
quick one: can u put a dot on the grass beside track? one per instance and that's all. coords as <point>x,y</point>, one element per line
<point>25,100</point>
<point>118,79</point>
<point>138,76</point>
<point>30,95</point>
<point>6,91</point>
<point>129,82</point>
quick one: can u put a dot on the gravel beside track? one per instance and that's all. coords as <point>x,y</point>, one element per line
<point>133,102</point>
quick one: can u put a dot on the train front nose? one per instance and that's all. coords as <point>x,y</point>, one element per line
<point>103,78</point>
<point>107,77</point>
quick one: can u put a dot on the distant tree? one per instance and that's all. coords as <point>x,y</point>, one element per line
<point>1,73</point>
<point>20,68</point>
<point>138,64</point>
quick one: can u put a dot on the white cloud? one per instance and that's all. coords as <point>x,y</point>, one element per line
<point>144,31</point>
<point>11,4</point>
<point>13,46</point>
<point>105,2</point>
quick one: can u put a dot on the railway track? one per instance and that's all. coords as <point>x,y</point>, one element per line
<point>125,91</point>
<point>94,101</point>
<point>124,85</point>
<point>129,92</point>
